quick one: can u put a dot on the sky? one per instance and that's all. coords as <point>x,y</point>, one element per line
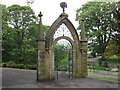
<point>50,8</point>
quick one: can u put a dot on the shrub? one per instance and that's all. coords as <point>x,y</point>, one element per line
<point>98,67</point>
<point>21,66</point>
<point>114,58</point>
<point>10,63</point>
<point>101,61</point>
<point>1,64</point>
<point>114,69</point>
<point>4,65</point>
<point>14,66</point>
<point>33,67</point>
<point>108,69</point>
<point>104,64</point>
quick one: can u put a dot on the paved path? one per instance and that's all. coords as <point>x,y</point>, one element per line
<point>17,78</point>
<point>102,75</point>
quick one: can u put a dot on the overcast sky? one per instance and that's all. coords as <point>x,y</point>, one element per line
<point>50,8</point>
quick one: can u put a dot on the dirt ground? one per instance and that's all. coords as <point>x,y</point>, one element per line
<point>18,78</point>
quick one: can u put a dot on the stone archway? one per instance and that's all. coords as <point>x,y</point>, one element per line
<point>45,62</point>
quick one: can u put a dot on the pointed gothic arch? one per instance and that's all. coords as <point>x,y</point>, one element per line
<point>45,62</point>
<point>63,18</point>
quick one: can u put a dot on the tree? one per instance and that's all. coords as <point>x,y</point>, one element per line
<point>112,49</point>
<point>21,37</point>
<point>62,56</point>
<point>116,25</point>
<point>5,33</point>
<point>98,17</point>
<point>19,34</point>
<point>58,50</point>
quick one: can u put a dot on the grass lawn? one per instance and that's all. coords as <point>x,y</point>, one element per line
<point>96,72</point>
<point>106,78</point>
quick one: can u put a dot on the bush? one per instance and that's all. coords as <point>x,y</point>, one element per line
<point>10,63</point>
<point>108,69</point>
<point>3,65</point>
<point>98,67</point>
<point>114,69</point>
<point>33,67</point>
<point>14,66</point>
<point>114,58</point>
<point>61,68</point>
<point>101,61</point>
<point>104,64</point>
<point>21,66</point>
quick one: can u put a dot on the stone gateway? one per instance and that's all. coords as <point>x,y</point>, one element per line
<point>45,61</point>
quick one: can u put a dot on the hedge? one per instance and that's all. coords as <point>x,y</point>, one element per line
<point>11,64</point>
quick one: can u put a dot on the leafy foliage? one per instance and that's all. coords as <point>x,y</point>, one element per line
<point>116,24</point>
<point>19,42</point>
<point>12,64</point>
<point>62,57</point>
<point>99,20</point>
<point>19,34</point>
<point>112,49</point>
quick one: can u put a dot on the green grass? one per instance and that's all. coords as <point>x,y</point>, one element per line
<point>106,78</point>
<point>96,72</point>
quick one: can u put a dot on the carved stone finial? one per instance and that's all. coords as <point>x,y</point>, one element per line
<point>63,5</point>
<point>40,15</point>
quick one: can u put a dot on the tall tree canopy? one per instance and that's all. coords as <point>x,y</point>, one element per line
<point>18,37</point>
<point>99,21</point>
<point>19,34</point>
<point>116,24</point>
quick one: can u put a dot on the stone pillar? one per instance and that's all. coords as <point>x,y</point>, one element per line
<point>76,62</point>
<point>41,52</point>
<point>83,51</point>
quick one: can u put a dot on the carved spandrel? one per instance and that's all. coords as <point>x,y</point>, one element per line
<point>62,31</point>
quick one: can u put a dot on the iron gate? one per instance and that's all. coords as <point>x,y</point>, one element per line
<point>64,70</point>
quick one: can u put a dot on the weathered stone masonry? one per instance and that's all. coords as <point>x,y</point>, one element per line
<point>45,62</point>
